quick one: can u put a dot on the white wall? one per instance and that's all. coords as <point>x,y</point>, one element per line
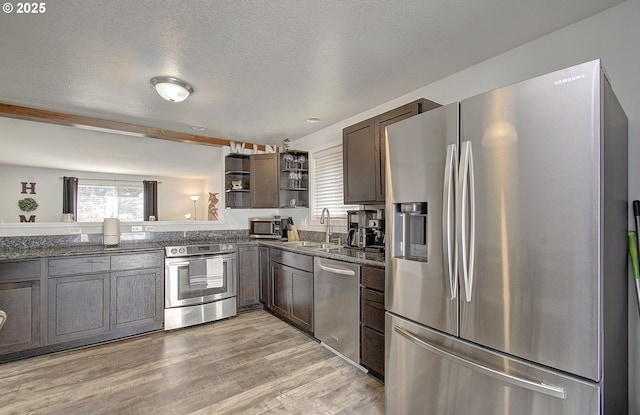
<point>173,199</point>
<point>31,143</point>
<point>173,193</point>
<point>182,169</point>
<point>613,36</point>
<point>41,153</point>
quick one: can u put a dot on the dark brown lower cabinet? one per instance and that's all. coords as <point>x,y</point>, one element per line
<point>372,320</point>
<point>265,282</point>
<point>78,306</point>
<point>104,297</point>
<point>292,287</point>
<point>20,299</point>
<point>21,302</point>
<point>281,286</point>
<point>248,277</point>
<point>137,298</point>
<point>63,302</point>
<point>372,313</point>
<point>302,299</point>
<point>373,351</point>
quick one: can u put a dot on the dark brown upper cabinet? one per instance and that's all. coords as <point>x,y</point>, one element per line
<point>265,183</point>
<point>364,153</point>
<point>272,180</point>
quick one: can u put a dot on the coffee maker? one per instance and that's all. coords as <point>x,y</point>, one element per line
<point>366,229</point>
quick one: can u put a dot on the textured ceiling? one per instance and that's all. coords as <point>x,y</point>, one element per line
<point>259,68</point>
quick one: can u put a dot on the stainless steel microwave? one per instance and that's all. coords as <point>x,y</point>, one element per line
<point>271,228</point>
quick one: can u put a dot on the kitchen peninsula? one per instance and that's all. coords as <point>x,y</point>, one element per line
<point>49,280</point>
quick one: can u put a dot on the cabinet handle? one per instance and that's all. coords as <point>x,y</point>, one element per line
<point>341,271</point>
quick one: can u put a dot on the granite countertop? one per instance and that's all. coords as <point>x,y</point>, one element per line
<point>68,250</point>
<point>343,254</point>
<point>356,256</point>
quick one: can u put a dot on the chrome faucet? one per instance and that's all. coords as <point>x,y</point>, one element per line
<point>328,232</point>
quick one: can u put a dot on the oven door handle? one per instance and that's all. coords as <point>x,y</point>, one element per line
<point>179,264</point>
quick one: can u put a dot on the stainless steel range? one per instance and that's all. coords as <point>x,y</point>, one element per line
<point>200,284</point>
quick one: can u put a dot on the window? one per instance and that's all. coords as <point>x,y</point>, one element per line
<point>328,184</point>
<point>99,200</point>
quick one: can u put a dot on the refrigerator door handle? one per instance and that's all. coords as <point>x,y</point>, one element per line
<point>540,387</point>
<point>466,212</point>
<point>449,248</point>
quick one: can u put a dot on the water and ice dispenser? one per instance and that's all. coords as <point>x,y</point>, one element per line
<point>410,236</point>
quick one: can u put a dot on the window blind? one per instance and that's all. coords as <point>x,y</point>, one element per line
<point>328,183</point>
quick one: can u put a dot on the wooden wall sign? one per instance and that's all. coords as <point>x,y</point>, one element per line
<point>28,204</point>
<point>28,188</point>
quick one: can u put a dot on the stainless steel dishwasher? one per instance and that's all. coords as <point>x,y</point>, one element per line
<point>336,299</point>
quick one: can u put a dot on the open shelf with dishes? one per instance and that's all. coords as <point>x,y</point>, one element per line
<point>294,179</point>
<point>237,181</point>
<point>288,172</point>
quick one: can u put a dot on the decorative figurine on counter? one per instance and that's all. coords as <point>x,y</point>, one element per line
<point>213,210</point>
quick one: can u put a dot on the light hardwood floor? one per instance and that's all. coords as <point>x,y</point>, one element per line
<point>250,364</point>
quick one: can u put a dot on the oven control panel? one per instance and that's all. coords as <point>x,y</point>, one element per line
<point>200,249</point>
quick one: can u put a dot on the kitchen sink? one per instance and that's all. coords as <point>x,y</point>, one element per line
<point>316,246</point>
<point>302,243</point>
<point>328,248</point>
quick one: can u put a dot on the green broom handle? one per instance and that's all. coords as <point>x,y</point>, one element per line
<point>633,253</point>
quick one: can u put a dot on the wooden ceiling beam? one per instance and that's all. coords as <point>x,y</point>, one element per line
<point>52,117</point>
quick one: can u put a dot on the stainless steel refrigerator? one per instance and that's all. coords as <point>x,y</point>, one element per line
<point>506,269</point>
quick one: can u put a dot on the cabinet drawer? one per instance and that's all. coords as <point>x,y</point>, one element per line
<point>79,265</point>
<point>373,278</point>
<point>372,309</point>
<point>19,270</point>
<point>291,259</point>
<point>373,350</point>
<point>137,260</point>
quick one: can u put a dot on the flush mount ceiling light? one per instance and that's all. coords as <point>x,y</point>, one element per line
<point>172,89</point>
<point>313,120</point>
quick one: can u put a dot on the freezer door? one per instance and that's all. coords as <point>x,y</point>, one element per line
<point>530,164</point>
<point>431,373</point>
<point>421,158</point>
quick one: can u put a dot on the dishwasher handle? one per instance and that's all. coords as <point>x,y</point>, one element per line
<point>341,271</point>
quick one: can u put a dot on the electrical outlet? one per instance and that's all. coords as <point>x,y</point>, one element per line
<point>149,228</point>
<point>75,230</point>
<point>136,229</point>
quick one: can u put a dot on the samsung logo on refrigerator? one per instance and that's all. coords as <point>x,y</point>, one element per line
<point>569,79</point>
